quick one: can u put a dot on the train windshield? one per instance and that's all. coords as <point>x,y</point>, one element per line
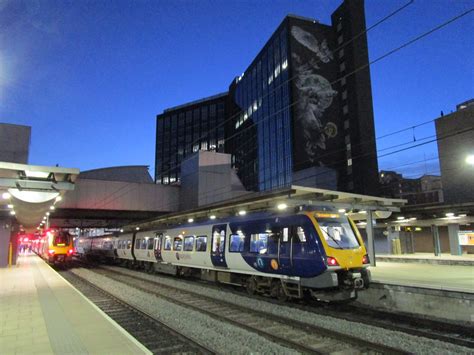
<point>337,230</point>
<point>61,239</point>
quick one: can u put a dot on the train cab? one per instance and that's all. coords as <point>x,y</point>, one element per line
<point>56,246</point>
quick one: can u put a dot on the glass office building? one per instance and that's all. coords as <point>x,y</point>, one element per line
<point>300,114</point>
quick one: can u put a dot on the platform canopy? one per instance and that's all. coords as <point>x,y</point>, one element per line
<point>29,192</point>
<point>355,205</point>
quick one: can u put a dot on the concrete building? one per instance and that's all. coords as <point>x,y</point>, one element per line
<point>14,143</point>
<point>301,113</point>
<point>426,189</point>
<point>455,134</point>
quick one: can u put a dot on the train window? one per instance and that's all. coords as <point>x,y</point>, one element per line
<point>150,244</point>
<point>129,244</point>
<point>259,243</point>
<point>143,244</point>
<point>218,242</point>
<point>137,243</point>
<point>285,235</point>
<point>167,243</point>
<point>188,243</point>
<point>301,236</point>
<point>201,243</point>
<point>237,242</point>
<point>178,244</point>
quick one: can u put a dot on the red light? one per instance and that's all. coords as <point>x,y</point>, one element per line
<point>365,259</point>
<point>25,239</point>
<point>70,251</point>
<point>50,251</point>
<point>332,261</point>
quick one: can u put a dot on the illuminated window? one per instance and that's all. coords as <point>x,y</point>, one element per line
<point>340,39</point>
<point>188,243</point>
<point>284,65</point>
<point>259,243</point>
<point>150,244</point>
<point>237,242</point>
<point>167,244</point>
<point>349,162</point>
<point>178,244</point>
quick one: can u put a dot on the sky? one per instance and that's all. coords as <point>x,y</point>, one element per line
<point>91,76</point>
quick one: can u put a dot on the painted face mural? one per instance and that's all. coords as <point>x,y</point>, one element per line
<point>314,93</point>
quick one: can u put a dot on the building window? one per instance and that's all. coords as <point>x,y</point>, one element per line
<point>345,109</point>
<point>344,95</point>
<point>343,81</point>
<point>341,53</point>
<point>340,39</point>
<point>342,67</point>
<point>346,124</point>
<point>349,162</point>
<point>348,147</point>
<point>347,139</point>
<point>339,27</point>
<point>349,170</point>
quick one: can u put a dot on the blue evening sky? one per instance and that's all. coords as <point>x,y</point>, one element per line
<point>90,76</point>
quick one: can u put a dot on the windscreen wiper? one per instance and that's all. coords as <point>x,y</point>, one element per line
<point>332,238</point>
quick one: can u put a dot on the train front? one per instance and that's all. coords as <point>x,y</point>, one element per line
<point>345,256</point>
<point>60,246</point>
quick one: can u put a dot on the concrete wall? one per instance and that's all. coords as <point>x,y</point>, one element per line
<point>5,232</point>
<point>119,195</point>
<point>14,143</point>
<point>207,177</point>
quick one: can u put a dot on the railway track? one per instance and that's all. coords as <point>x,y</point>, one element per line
<point>156,336</point>
<point>290,333</point>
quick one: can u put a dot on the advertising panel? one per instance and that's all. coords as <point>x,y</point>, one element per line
<point>466,237</point>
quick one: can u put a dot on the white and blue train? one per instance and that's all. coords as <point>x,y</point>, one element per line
<point>311,252</point>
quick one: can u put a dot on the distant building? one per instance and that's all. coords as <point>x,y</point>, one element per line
<point>300,114</point>
<point>14,143</point>
<point>455,135</point>
<point>426,189</point>
<point>128,173</point>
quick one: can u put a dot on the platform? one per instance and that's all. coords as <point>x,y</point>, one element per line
<point>41,313</point>
<point>429,258</point>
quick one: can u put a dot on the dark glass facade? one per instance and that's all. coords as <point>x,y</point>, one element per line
<point>300,114</point>
<point>183,130</point>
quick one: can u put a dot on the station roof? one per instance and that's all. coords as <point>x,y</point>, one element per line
<point>292,197</point>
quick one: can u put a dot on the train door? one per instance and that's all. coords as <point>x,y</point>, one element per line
<point>158,244</point>
<point>218,245</point>
<point>285,249</point>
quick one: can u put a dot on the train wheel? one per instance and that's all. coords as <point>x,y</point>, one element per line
<point>251,286</point>
<point>278,292</point>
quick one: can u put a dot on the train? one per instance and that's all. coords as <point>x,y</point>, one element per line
<point>311,252</point>
<point>55,246</point>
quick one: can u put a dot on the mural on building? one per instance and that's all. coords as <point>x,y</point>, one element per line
<point>316,121</point>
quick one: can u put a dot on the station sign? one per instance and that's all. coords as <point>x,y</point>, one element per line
<point>466,237</point>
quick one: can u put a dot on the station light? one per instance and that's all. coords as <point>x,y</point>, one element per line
<point>400,218</point>
<point>190,220</point>
<point>59,198</point>
<point>363,212</point>
<point>463,215</point>
<point>282,206</point>
<point>242,212</point>
<point>6,195</point>
<point>12,213</point>
<point>47,213</point>
<point>450,214</point>
<point>10,206</point>
<point>470,159</point>
<point>341,210</point>
<point>413,219</point>
<point>212,216</point>
<point>138,228</point>
<point>52,208</point>
<point>121,230</point>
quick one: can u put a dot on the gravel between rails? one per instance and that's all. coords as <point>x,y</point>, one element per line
<point>402,341</point>
<point>222,337</point>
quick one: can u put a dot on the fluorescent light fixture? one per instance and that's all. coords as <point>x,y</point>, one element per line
<point>52,208</point>
<point>10,206</point>
<point>138,228</point>
<point>37,174</point>
<point>212,216</point>
<point>450,214</point>
<point>413,219</point>
<point>47,213</point>
<point>12,213</point>
<point>341,210</point>
<point>463,215</point>
<point>6,195</point>
<point>363,212</point>
<point>59,198</point>
<point>400,218</point>
<point>190,220</point>
<point>282,206</point>
<point>242,212</point>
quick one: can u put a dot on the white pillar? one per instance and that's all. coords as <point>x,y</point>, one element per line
<point>454,245</point>
<point>369,228</point>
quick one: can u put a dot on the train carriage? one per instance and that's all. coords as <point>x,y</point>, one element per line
<point>55,246</point>
<point>319,252</point>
